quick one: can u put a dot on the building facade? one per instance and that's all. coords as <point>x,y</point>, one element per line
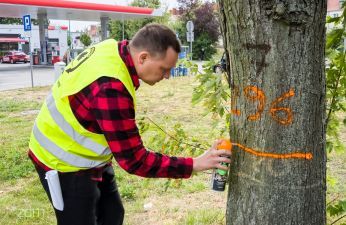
<point>56,41</point>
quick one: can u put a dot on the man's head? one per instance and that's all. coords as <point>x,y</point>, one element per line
<point>154,50</point>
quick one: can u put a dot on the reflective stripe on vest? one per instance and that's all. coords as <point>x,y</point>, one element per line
<point>71,159</point>
<point>67,128</point>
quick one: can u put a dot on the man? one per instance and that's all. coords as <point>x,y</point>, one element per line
<point>89,117</point>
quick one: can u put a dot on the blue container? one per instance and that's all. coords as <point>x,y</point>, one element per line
<point>180,70</point>
<point>172,72</point>
<point>184,71</point>
<point>182,55</point>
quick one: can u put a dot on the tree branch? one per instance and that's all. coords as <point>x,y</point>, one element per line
<point>338,219</point>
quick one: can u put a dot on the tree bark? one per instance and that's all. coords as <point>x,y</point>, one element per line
<point>276,61</point>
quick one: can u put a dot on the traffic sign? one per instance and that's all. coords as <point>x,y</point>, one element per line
<point>27,23</point>
<point>189,26</point>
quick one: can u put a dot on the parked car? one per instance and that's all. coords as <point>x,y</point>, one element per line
<point>221,65</point>
<point>27,57</point>
<point>14,57</point>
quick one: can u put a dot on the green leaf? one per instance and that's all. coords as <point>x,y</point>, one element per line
<point>333,19</point>
<point>343,204</point>
<point>331,181</point>
<point>329,146</point>
<point>334,38</point>
<point>337,209</point>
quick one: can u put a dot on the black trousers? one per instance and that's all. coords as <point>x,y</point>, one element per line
<point>86,201</point>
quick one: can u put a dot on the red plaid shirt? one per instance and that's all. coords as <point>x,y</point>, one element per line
<point>105,106</point>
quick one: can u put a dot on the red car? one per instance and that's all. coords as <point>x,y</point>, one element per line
<point>15,56</point>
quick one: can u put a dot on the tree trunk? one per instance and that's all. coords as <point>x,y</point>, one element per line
<point>276,61</point>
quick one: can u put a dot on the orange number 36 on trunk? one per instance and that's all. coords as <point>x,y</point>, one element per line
<point>255,94</point>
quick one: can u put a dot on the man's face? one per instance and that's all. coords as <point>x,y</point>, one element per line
<point>154,69</point>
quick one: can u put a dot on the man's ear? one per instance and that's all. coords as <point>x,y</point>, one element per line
<point>143,56</point>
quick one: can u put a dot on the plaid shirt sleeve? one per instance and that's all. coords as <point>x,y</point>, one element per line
<point>113,109</point>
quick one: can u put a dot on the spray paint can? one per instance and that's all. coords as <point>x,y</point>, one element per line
<point>219,177</point>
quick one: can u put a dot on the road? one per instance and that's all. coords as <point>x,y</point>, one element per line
<point>13,76</point>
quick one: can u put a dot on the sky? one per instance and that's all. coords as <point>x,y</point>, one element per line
<point>79,25</point>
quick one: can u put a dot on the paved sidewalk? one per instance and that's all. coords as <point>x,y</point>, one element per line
<point>14,76</point>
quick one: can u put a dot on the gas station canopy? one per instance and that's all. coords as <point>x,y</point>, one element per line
<point>72,10</point>
<point>43,10</point>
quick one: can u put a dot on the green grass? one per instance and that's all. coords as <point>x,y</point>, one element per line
<point>15,105</point>
<point>16,119</point>
<point>26,205</point>
<point>205,216</point>
<point>23,201</point>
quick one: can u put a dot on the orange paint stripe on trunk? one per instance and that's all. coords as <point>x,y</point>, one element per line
<point>298,155</point>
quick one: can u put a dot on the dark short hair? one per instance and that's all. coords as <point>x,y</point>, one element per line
<point>156,39</point>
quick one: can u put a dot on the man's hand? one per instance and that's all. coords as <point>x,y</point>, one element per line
<point>212,159</point>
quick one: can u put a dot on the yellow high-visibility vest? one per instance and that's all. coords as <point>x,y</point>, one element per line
<point>58,140</point>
